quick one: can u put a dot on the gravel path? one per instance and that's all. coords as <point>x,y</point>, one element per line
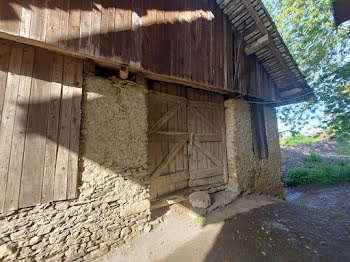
<point>294,156</point>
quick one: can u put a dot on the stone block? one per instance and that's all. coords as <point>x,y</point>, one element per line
<point>200,199</point>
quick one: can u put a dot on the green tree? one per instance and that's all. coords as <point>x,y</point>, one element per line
<point>323,55</point>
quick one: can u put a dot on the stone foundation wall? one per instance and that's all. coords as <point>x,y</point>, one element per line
<point>113,203</point>
<point>247,173</point>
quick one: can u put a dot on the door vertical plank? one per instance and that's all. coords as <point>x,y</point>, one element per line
<point>19,131</point>
<point>77,92</point>
<point>5,53</point>
<point>158,145</point>
<point>52,130</point>
<point>34,151</point>
<point>8,116</point>
<point>61,174</point>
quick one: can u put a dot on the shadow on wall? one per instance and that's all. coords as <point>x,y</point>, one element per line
<point>127,34</point>
<point>11,8</point>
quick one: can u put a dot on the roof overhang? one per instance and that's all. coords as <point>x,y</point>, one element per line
<point>251,20</point>
<point>341,11</point>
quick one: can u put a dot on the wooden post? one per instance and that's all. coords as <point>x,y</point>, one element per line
<point>124,72</point>
<point>89,67</point>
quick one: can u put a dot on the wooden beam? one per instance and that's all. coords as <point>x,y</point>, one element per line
<point>291,92</point>
<point>257,45</point>
<point>272,46</point>
<point>238,59</point>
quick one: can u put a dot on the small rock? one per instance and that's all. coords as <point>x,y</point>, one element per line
<point>6,251</point>
<point>125,231</point>
<point>17,236</point>
<point>147,228</point>
<point>35,240</point>
<point>99,252</point>
<point>45,230</point>
<point>62,206</point>
<point>200,199</point>
<point>73,255</point>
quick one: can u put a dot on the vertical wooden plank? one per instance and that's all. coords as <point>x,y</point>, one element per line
<point>96,27</point>
<point>172,127</point>
<point>231,56</point>
<point>47,194</point>
<point>61,173</point>
<point>38,20</point>
<point>153,37</point>
<point>74,25</point>
<point>26,17</point>
<point>5,53</point>
<point>181,39</point>
<point>64,18</point>
<point>74,142</point>
<point>174,21</point>
<point>160,38</point>
<point>34,151</point>
<point>18,137</point>
<point>200,46</point>
<point>187,45</point>
<point>53,21</point>
<point>10,16</point>
<point>86,27</point>
<point>146,34</point>
<point>205,50</point>
<point>118,28</point>
<point>193,42</point>
<point>107,28</point>
<point>126,31</point>
<point>211,47</point>
<point>168,43</point>
<point>225,51</point>
<point>136,27</point>
<point>8,116</point>
<point>158,145</point>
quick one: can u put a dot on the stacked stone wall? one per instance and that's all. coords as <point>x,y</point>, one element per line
<point>113,204</point>
<point>247,173</point>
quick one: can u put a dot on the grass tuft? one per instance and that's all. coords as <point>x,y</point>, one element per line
<point>298,139</point>
<point>322,174</point>
<point>200,220</point>
<point>344,150</point>
<point>314,158</point>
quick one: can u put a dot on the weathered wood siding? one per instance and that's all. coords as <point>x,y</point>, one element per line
<point>40,101</point>
<point>185,39</point>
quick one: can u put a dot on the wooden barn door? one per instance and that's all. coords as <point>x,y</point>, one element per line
<point>187,135</point>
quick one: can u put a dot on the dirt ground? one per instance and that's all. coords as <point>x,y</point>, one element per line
<point>313,226</point>
<point>305,229</point>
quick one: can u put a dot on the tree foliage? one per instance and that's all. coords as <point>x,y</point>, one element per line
<point>323,55</point>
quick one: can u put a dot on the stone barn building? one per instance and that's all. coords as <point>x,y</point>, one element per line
<point>110,109</point>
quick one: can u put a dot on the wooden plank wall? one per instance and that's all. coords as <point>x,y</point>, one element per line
<point>40,101</point>
<point>186,39</point>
